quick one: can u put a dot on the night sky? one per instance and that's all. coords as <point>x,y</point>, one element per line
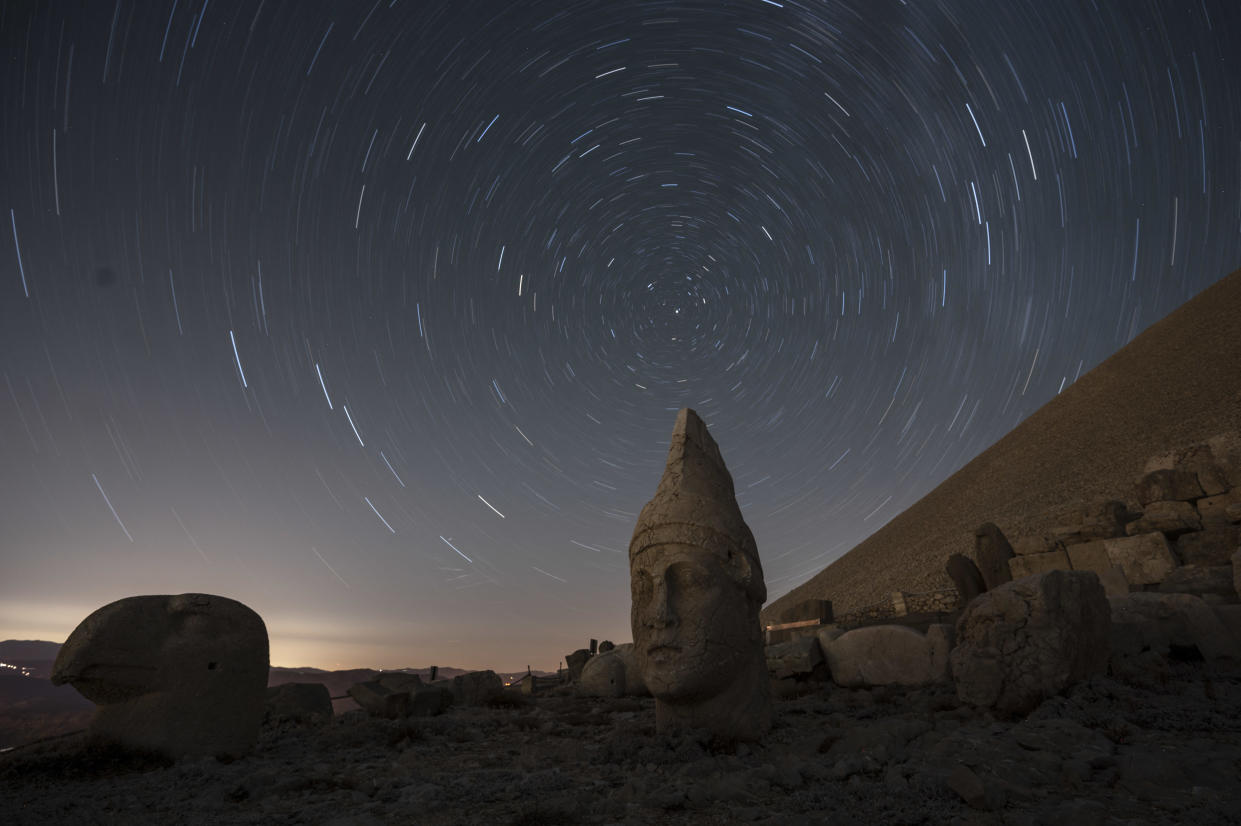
<point>376,316</point>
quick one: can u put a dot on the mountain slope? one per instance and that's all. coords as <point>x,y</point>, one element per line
<point>1177,383</point>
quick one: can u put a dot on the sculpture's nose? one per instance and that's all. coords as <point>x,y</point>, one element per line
<point>660,612</point>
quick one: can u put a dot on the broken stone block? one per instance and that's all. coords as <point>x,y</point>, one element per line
<point>991,552</point>
<point>1166,516</point>
<point>1030,639</point>
<point>1168,485</point>
<point>796,658</point>
<point>1090,556</point>
<point>380,701</point>
<point>1223,509</point>
<point>1029,564</point>
<point>1159,622</point>
<point>1213,545</point>
<point>1212,583</point>
<point>1145,559</point>
<point>882,655</point>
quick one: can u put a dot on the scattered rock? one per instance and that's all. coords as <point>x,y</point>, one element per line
<point>969,786</point>
<point>612,674</point>
<point>1030,639</point>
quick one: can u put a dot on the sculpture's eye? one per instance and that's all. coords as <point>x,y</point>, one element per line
<point>641,585</point>
<point>211,666</point>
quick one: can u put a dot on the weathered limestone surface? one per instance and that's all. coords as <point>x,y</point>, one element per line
<point>1030,639</point>
<point>697,587</point>
<point>1029,564</point>
<point>965,576</point>
<point>1159,485</point>
<point>1145,559</point>
<point>1170,517</point>
<point>300,702</point>
<point>178,675</point>
<point>885,655</point>
<point>991,552</point>
<point>1153,621</point>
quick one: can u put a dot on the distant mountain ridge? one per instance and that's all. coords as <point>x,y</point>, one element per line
<point>1176,384</point>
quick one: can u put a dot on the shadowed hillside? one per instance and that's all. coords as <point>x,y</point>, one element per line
<point>1177,383</point>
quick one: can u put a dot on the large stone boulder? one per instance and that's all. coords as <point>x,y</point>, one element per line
<point>887,655</point>
<point>177,675</point>
<point>1146,559</point>
<point>298,702</point>
<point>1213,583</point>
<point>475,688</point>
<point>1030,639</point>
<point>1148,621</point>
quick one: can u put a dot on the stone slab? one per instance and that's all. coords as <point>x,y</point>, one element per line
<point>1028,564</point>
<point>1145,559</point>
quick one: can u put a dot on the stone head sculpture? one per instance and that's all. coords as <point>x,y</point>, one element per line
<point>697,587</point>
<point>178,675</point>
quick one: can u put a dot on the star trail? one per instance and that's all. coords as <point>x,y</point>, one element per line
<point>376,316</point>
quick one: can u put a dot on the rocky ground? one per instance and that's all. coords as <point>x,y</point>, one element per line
<point>1163,750</point>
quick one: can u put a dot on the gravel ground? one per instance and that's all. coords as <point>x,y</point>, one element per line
<point>1166,751</point>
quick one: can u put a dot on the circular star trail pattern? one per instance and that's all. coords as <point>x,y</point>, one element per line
<point>376,316</point>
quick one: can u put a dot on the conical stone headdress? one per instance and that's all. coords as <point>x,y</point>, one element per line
<point>696,504</point>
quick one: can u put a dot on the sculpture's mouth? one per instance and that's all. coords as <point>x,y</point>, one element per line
<point>663,652</point>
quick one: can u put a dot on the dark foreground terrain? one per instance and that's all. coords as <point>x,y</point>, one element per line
<point>1164,752</point>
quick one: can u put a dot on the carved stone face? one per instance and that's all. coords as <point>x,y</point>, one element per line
<point>692,623</point>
